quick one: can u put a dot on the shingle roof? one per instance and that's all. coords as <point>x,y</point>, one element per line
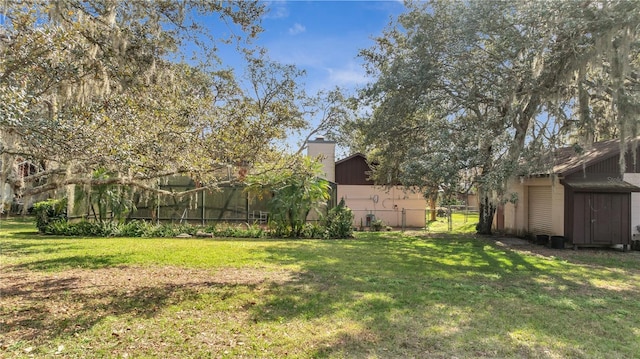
<point>571,159</point>
<point>357,154</point>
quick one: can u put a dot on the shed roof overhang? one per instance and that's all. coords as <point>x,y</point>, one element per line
<point>601,185</point>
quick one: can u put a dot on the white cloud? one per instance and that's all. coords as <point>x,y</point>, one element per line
<point>350,75</point>
<point>297,29</point>
<point>277,10</point>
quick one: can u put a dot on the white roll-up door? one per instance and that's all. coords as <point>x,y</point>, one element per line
<point>540,219</point>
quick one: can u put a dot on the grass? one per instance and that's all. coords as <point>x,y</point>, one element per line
<point>461,222</point>
<point>380,295</point>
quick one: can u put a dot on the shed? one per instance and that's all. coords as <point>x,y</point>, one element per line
<point>598,195</point>
<point>586,198</point>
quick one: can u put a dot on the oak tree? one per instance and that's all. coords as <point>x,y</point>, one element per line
<point>112,86</point>
<point>490,88</point>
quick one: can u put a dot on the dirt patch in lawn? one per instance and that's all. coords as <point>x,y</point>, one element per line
<point>39,306</point>
<point>566,253</point>
<point>28,283</point>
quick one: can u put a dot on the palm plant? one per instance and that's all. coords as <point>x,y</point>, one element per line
<point>296,191</point>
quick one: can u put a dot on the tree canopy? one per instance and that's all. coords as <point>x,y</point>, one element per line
<point>110,86</point>
<point>489,88</point>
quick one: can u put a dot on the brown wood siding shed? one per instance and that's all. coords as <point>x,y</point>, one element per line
<point>599,215</point>
<point>353,170</point>
<point>601,218</point>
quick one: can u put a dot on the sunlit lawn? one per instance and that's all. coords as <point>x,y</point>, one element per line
<point>461,222</point>
<point>380,295</point>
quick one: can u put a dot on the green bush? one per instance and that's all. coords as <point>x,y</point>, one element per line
<point>377,225</point>
<point>162,230</point>
<point>48,212</point>
<point>255,231</point>
<point>239,231</point>
<point>56,228</point>
<point>339,222</point>
<point>147,229</point>
<point>313,230</point>
<point>135,228</point>
<point>84,228</point>
<point>109,229</point>
<point>278,228</point>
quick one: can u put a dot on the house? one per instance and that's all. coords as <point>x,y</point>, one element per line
<point>11,199</point>
<point>396,206</point>
<point>586,198</point>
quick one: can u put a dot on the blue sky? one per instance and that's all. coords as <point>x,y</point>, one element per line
<point>321,37</point>
<point>324,37</point>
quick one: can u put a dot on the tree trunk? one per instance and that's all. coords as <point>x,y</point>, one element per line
<point>487,211</point>
<point>432,206</point>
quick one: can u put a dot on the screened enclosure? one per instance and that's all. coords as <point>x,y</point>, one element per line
<point>227,204</point>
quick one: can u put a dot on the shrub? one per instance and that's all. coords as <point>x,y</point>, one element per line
<point>162,230</point>
<point>442,212</point>
<point>146,229</point>
<point>84,228</point>
<point>56,228</point>
<point>239,231</point>
<point>50,211</point>
<point>255,231</point>
<point>135,228</point>
<point>296,192</point>
<point>339,222</point>
<point>109,229</point>
<point>377,225</point>
<point>278,229</point>
<point>313,230</point>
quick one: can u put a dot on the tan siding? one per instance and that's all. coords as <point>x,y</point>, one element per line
<point>385,204</point>
<point>557,209</point>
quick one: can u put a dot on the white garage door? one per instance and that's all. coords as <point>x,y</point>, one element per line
<point>540,210</point>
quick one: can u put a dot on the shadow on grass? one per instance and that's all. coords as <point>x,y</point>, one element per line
<point>31,247</point>
<point>418,297</point>
<point>62,263</point>
<point>40,309</point>
<point>378,295</point>
<point>17,227</point>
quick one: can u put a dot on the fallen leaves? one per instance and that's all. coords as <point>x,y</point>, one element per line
<point>39,307</point>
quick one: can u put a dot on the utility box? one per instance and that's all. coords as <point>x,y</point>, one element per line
<point>369,219</point>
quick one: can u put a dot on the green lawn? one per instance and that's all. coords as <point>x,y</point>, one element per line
<point>461,222</point>
<point>380,295</point>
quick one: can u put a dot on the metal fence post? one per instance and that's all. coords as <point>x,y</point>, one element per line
<point>204,194</point>
<point>404,219</point>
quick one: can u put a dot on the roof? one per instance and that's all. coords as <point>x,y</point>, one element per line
<point>358,154</point>
<point>573,158</point>
<point>353,170</point>
<point>609,185</point>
